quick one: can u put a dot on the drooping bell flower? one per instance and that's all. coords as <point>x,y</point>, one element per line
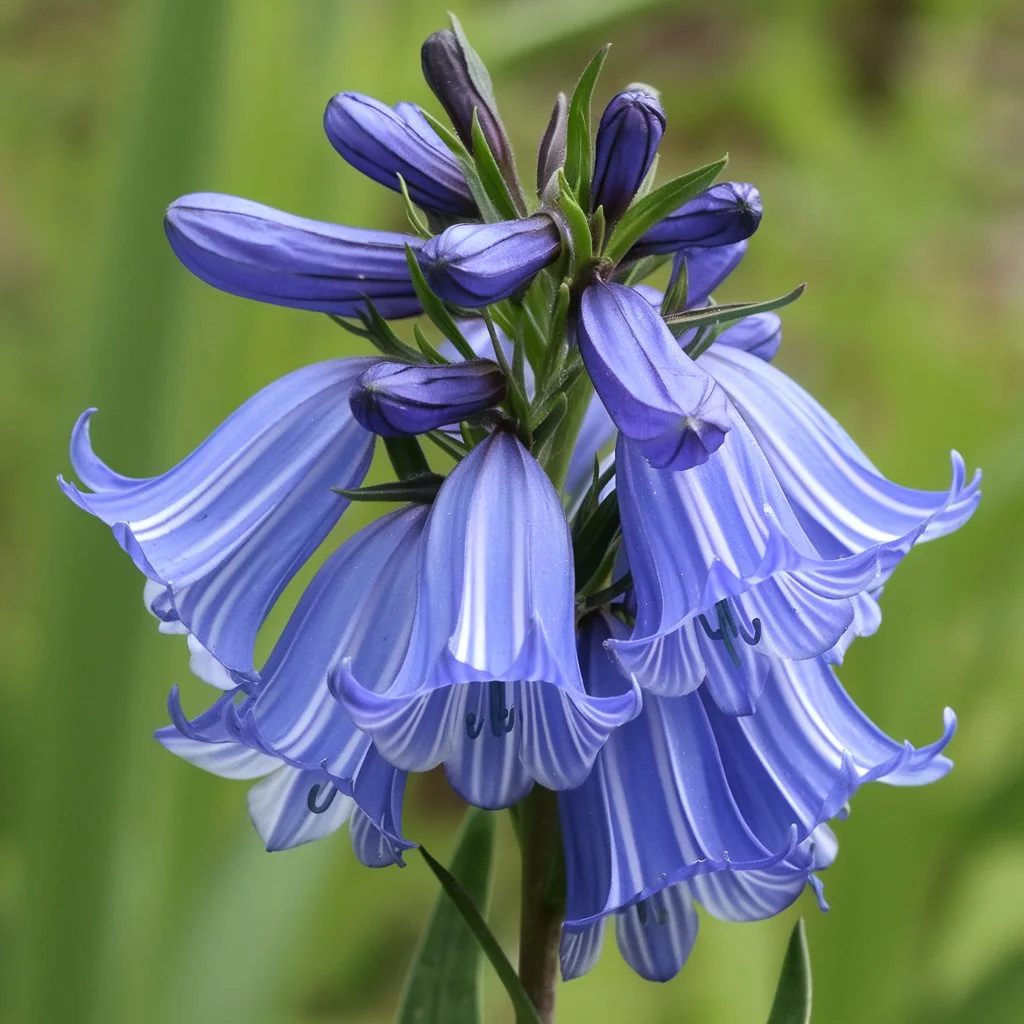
<point>358,606</point>
<point>385,143</point>
<point>686,803</point>
<point>490,685</point>
<point>723,215</point>
<point>398,399</point>
<point>476,264</point>
<point>257,252</point>
<point>627,142</point>
<point>842,500</point>
<point>662,402</point>
<point>727,581</point>
<point>224,531</point>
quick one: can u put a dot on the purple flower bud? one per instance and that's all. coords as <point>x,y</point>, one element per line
<point>664,404</point>
<point>384,143</point>
<point>627,140</point>
<point>759,334</point>
<point>397,399</point>
<point>725,213</point>
<point>706,269</point>
<point>458,78</point>
<point>476,264</point>
<point>257,252</point>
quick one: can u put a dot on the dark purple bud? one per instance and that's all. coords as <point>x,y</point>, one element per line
<point>665,405</point>
<point>705,269</point>
<point>398,399</point>
<point>384,143</point>
<point>627,141</point>
<point>476,264</point>
<point>551,154</point>
<point>760,335</point>
<point>257,252</point>
<point>458,78</point>
<point>725,213</point>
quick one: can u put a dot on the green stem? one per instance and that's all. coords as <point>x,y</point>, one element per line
<point>542,907</point>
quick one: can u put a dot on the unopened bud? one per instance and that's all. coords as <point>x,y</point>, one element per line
<point>395,399</point>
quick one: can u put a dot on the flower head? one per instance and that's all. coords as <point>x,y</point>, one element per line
<point>224,531</point>
<point>686,803</point>
<point>490,685</point>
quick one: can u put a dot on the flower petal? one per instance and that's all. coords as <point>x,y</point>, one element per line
<point>760,335</point>
<point>656,937</point>
<point>658,806</point>
<point>495,605</point>
<point>670,409</point>
<point>580,950</point>
<point>360,606</point>
<point>385,143</point>
<point>280,812</point>
<point>205,743</point>
<point>716,552</point>
<point>227,528</point>
<point>257,252</point>
<point>843,501</point>
<point>476,264</point>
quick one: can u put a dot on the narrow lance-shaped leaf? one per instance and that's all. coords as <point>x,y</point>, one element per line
<point>792,1003</point>
<point>727,313</point>
<point>457,906</point>
<point>435,308</point>
<point>443,983</point>
<point>579,146</point>
<point>644,214</point>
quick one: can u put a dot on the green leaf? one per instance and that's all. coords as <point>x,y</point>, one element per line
<point>655,206</point>
<point>375,329</point>
<point>792,1003</point>
<point>412,214</point>
<point>443,983</point>
<point>724,314</point>
<point>576,221</point>
<point>419,490</point>
<point>490,173</point>
<point>436,309</point>
<point>579,145</point>
<point>443,986</point>
<point>451,446</point>
<point>488,211</point>
<point>406,457</point>
<point>545,429</point>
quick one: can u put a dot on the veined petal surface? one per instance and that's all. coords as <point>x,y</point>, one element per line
<point>843,501</point>
<point>726,579</point>
<point>254,251</point>
<point>671,411</point>
<point>492,645</point>
<point>385,143</point>
<point>226,529</point>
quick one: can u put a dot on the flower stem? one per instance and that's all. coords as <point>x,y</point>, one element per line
<point>543,899</point>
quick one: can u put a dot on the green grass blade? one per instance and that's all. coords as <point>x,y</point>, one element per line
<point>443,984</point>
<point>792,1003</point>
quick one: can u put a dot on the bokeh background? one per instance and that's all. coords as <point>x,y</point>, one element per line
<point>886,137</point>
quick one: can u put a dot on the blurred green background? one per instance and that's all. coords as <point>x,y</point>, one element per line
<point>886,137</point>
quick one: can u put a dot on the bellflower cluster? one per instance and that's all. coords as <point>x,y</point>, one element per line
<point>628,572</point>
